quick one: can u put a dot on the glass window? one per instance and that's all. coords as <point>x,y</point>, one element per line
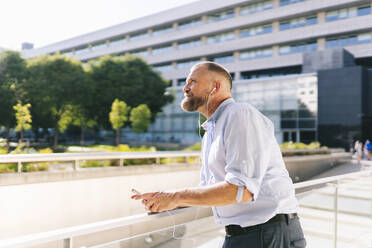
<point>348,13</point>
<point>141,53</point>
<point>298,48</point>
<point>331,43</point>
<point>284,50</point>
<point>257,7</point>
<point>343,14</point>
<point>288,2</point>
<point>288,124</point>
<point>288,114</point>
<point>189,44</point>
<point>118,42</point>
<point>82,50</point>
<point>224,59</point>
<point>161,50</point>
<point>349,40</point>
<point>298,22</point>
<point>364,38</point>
<point>139,36</point>
<point>99,46</point>
<point>163,68</point>
<point>305,113</point>
<point>353,40</point>
<point>189,24</point>
<point>307,123</point>
<point>187,64</point>
<point>353,12</point>
<point>253,54</point>
<point>331,16</point>
<point>221,37</point>
<point>255,31</point>
<point>181,82</point>
<point>284,26</point>
<point>221,16</point>
<point>343,41</point>
<point>364,11</point>
<point>311,20</point>
<point>162,30</point>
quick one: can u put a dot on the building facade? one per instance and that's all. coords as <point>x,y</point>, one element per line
<point>271,48</point>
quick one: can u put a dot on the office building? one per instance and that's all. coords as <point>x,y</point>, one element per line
<point>304,63</point>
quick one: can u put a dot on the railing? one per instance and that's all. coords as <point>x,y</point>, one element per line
<point>67,234</point>
<point>77,157</point>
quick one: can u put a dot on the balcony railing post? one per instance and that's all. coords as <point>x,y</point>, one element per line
<point>157,160</point>
<point>76,165</point>
<point>19,167</point>
<point>121,162</point>
<point>335,214</point>
<point>67,243</point>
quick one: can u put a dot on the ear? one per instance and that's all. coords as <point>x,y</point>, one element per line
<point>217,85</point>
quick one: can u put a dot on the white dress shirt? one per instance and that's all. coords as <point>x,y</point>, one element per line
<point>239,147</point>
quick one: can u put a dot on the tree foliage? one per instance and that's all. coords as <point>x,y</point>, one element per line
<point>140,118</point>
<point>54,82</point>
<point>129,79</point>
<point>23,117</point>
<point>12,73</point>
<point>118,117</point>
<point>62,92</point>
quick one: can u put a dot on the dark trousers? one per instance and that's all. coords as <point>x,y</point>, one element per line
<point>281,234</point>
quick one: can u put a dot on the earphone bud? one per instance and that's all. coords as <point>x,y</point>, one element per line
<point>212,90</point>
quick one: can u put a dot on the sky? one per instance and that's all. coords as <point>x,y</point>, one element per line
<point>43,22</point>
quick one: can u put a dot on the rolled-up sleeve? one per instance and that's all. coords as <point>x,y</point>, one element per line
<point>248,140</point>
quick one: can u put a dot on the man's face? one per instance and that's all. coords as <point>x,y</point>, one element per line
<point>196,90</point>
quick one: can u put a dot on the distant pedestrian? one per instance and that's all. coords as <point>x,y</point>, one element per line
<point>358,150</point>
<point>364,149</point>
<point>368,147</point>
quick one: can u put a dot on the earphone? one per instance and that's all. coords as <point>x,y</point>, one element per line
<point>212,90</point>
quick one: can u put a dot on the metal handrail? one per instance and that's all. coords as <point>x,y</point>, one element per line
<point>76,157</point>
<point>67,234</point>
<point>54,157</point>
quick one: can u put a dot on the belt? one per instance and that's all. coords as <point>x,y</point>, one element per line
<point>232,230</point>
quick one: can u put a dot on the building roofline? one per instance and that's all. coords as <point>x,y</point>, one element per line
<point>179,13</point>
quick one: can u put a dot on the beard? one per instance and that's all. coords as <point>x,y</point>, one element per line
<point>191,103</point>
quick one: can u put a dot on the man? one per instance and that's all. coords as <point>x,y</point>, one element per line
<point>243,176</point>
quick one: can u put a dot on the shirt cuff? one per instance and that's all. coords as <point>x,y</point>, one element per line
<point>251,184</point>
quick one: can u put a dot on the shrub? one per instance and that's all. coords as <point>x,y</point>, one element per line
<point>3,150</point>
<point>290,145</point>
<point>46,150</point>
<point>34,167</point>
<point>95,163</point>
<point>7,168</point>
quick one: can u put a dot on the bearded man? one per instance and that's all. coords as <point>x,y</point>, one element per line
<point>243,175</point>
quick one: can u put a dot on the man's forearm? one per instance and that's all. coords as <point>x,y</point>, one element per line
<point>219,194</point>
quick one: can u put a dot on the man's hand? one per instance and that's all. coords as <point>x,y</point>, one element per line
<point>157,201</point>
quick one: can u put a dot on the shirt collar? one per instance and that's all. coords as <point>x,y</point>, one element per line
<point>213,119</point>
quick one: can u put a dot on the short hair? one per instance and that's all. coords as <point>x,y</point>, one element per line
<point>213,66</point>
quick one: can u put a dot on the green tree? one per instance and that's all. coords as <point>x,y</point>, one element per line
<point>23,117</point>
<point>81,119</point>
<point>140,118</point>
<point>12,73</point>
<point>128,79</point>
<point>54,84</point>
<point>118,117</point>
